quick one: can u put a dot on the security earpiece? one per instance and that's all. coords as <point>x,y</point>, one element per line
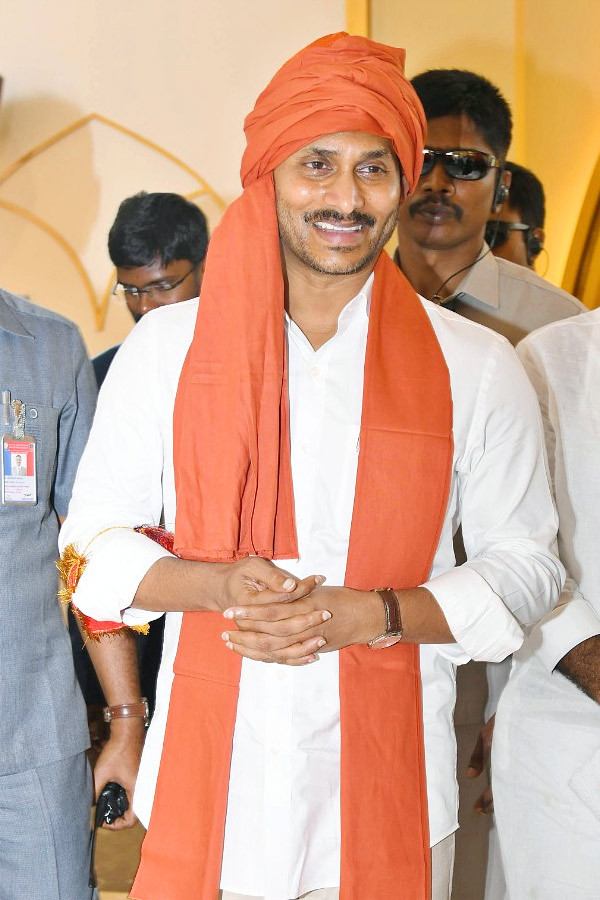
<point>501,193</point>
<point>535,245</point>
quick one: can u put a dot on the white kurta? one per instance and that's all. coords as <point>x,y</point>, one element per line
<point>283,819</point>
<point>546,752</point>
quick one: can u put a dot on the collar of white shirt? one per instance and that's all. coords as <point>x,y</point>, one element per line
<point>359,305</point>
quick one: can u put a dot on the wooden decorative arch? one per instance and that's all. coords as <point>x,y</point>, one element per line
<point>99,306</point>
<point>358,17</point>
<point>582,272</point>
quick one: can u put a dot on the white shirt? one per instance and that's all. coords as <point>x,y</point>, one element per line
<point>546,750</point>
<point>283,820</point>
<point>510,299</point>
<point>563,362</point>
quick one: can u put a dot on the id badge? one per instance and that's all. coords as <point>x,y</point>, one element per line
<point>19,458</point>
<point>19,469</point>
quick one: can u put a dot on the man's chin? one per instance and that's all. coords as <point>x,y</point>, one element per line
<point>432,236</point>
<point>341,266</point>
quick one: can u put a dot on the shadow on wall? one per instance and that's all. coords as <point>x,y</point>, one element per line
<point>58,200</point>
<point>59,189</point>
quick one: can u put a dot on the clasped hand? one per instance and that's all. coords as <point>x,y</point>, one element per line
<point>286,620</point>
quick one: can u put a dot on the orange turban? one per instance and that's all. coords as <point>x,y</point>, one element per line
<point>339,83</point>
<point>232,466</point>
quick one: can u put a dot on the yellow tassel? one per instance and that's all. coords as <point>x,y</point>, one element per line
<point>71,567</point>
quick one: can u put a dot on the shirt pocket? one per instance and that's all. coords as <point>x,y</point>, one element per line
<point>41,422</point>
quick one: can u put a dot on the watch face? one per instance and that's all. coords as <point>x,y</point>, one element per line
<point>386,640</point>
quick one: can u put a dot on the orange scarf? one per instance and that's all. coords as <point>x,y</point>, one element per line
<point>235,496</point>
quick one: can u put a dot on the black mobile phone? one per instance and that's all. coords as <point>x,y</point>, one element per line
<point>112,803</point>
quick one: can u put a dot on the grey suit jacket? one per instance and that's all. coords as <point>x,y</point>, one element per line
<point>44,364</point>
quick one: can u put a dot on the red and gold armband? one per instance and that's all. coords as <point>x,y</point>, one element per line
<point>71,567</point>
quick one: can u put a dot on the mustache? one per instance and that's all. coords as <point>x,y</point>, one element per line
<point>334,215</point>
<point>434,200</point>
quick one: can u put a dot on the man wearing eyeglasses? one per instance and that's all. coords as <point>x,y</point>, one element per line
<point>517,234</point>
<point>442,251</point>
<point>157,244</point>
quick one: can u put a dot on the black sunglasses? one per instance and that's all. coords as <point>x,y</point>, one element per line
<point>497,232</point>
<point>467,165</point>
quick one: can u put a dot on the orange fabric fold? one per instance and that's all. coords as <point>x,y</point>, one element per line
<point>235,496</point>
<point>233,474</point>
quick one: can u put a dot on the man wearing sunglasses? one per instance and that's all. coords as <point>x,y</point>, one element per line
<point>464,181</point>
<point>517,234</point>
<point>442,251</point>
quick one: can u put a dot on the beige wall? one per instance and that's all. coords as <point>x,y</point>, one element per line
<point>181,74</point>
<point>184,75</point>
<point>545,58</point>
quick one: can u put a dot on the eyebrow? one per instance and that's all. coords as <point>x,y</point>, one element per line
<point>325,152</point>
<point>148,284</point>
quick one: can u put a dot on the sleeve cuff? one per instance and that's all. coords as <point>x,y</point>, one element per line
<point>570,623</point>
<point>117,562</point>
<point>477,617</point>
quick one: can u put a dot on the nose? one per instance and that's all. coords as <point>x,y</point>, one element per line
<point>141,304</point>
<point>437,181</point>
<point>343,192</point>
<point>146,303</point>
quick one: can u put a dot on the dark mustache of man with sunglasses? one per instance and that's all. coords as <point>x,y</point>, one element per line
<point>463,164</point>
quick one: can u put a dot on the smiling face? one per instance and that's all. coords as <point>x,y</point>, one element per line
<point>445,213</point>
<point>337,202</point>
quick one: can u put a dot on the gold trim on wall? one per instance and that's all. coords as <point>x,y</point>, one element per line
<point>582,271</point>
<point>62,242</point>
<point>358,17</point>
<point>518,149</point>
<point>99,307</point>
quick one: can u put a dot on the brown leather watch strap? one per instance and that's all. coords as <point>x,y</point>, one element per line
<point>128,711</point>
<point>393,620</point>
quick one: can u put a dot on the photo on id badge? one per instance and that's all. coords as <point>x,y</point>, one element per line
<point>18,470</point>
<point>18,461</point>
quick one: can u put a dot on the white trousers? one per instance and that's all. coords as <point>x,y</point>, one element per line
<point>442,863</point>
<point>546,778</point>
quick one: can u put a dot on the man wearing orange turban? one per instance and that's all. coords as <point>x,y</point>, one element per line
<point>327,418</point>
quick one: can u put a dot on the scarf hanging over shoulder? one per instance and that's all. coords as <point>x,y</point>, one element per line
<point>235,495</point>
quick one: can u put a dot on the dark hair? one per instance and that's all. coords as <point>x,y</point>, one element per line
<point>450,92</point>
<point>157,226</point>
<point>526,195</point>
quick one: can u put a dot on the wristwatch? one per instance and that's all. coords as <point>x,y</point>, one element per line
<point>128,711</point>
<point>393,623</point>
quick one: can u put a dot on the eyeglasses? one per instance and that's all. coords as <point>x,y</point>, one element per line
<point>159,292</point>
<point>467,165</point>
<point>497,232</point>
